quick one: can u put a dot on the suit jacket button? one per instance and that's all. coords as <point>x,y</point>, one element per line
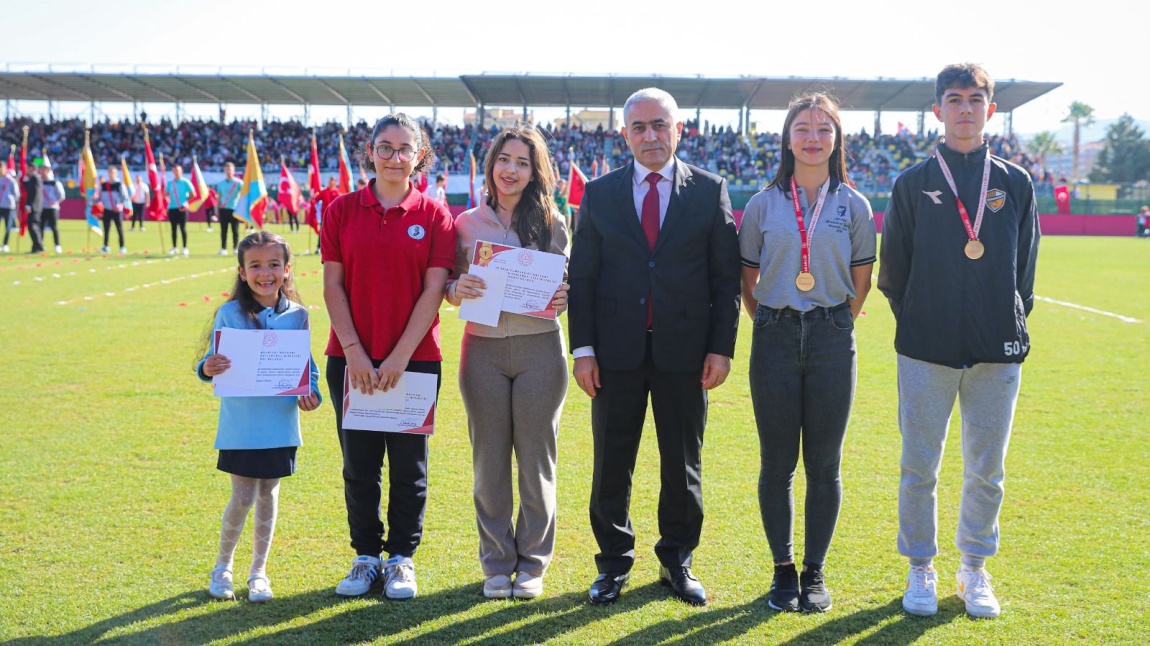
<point>642,301</point>
<point>651,264</point>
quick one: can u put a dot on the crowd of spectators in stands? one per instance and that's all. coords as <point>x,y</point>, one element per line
<point>747,160</point>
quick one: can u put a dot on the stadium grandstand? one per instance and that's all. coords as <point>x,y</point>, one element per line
<point>745,156</point>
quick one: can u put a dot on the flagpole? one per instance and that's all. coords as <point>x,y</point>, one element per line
<point>20,217</point>
<point>163,180</point>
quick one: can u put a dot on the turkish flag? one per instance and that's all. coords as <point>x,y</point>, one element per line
<point>289,195</point>
<point>1062,197</point>
<point>576,185</point>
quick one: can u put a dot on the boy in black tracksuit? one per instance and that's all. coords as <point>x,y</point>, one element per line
<point>959,275</point>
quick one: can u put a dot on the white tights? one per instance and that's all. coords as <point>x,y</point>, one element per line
<point>246,491</point>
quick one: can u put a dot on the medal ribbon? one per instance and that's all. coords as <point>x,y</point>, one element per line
<point>971,231</point>
<point>804,234</point>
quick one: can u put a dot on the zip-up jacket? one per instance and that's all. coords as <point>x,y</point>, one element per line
<point>951,310</point>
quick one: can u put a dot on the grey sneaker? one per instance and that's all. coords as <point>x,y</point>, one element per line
<point>399,578</point>
<point>497,587</point>
<point>363,577</point>
<point>221,583</point>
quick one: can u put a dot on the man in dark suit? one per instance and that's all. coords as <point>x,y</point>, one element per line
<point>654,308</point>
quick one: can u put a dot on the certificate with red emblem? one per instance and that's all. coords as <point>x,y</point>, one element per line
<point>264,363</point>
<point>532,276</point>
<point>408,407</point>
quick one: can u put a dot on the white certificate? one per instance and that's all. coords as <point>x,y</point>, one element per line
<point>407,408</point>
<point>486,308</point>
<point>532,276</point>
<point>264,363</point>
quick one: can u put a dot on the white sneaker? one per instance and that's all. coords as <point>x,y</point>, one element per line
<point>527,586</point>
<point>221,583</point>
<point>259,589</point>
<point>185,251</point>
<point>209,229</point>
<point>399,578</point>
<point>497,587</point>
<point>921,596</point>
<point>103,250</point>
<point>172,251</point>
<point>59,249</point>
<point>223,252</point>
<point>123,250</point>
<point>362,578</point>
<point>5,248</point>
<point>974,588</point>
<point>142,228</point>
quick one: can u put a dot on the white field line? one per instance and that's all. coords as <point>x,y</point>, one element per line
<point>1045,299</point>
<point>165,281</point>
<point>1120,317</point>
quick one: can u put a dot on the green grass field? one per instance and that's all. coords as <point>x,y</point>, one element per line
<point>111,503</point>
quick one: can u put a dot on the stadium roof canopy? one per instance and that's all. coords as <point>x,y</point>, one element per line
<point>490,90</point>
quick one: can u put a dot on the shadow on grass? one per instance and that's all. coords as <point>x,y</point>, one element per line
<point>904,629</point>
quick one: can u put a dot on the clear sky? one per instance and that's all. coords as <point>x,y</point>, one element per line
<point>1098,50</point>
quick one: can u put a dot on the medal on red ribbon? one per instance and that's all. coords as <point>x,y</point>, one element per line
<point>806,280</point>
<point>974,247</point>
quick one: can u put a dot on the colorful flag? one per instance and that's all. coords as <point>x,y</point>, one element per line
<point>253,192</point>
<point>576,184</point>
<point>126,173</point>
<point>471,202</point>
<point>344,169</point>
<point>88,184</point>
<point>200,193</point>
<point>157,208</point>
<point>289,194</point>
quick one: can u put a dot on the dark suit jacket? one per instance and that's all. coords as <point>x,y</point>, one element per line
<point>692,275</point>
<point>33,187</point>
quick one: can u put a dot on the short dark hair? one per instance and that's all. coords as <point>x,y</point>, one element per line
<point>963,76</point>
<point>408,123</point>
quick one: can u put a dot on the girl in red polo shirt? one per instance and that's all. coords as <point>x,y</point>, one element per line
<point>387,253</point>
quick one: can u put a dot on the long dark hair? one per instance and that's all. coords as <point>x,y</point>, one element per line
<point>242,293</point>
<point>838,161</point>
<point>408,123</point>
<point>534,215</point>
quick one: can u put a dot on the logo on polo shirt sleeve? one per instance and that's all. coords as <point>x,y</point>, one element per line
<point>416,232</point>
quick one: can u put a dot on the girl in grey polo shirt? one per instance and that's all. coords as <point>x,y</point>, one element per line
<point>513,376</point>
<point>807,243</point>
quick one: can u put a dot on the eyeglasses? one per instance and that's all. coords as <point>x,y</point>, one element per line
<point>384,151</point>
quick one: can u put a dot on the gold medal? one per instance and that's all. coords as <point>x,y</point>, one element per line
<point>805,281</point>
<point>974,249</point>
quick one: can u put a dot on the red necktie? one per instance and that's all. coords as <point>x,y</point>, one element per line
<point>650,220</point>
<point>650,215</point>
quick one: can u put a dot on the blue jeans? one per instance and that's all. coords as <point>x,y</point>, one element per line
<point>802,376</point>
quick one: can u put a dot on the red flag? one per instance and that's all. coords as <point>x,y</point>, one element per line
<point>576,184</point>
<point>421,183</point>
<point>157,207</point>
<point>12,158</point>
<point>1062,197</point>
<point>344,169</point>
<point>289,194</point>
<point>315,185</point>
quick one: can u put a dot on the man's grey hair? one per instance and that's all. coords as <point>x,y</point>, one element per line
<point>662,97</point>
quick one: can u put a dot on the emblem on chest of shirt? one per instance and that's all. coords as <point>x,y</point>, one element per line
<point>995,199</point>
<point>416,232</point>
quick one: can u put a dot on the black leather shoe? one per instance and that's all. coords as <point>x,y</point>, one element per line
<point>684,584</point>
<point>606,587</point>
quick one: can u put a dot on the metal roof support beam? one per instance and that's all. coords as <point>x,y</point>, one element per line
<point>263,115</point>
<point>155,89</point>
<point>242,90</point>
<point>386,99</point>
<point>430,101</point>
<point>286,89</point>
<point>921,123</point>
<point>334,93</point>
<point>877,123</point>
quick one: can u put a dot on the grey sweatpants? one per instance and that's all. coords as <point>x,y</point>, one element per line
<point>987,395</point>
<point>513,389</point>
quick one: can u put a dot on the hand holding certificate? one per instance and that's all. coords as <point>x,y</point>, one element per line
<point>407,407</point>
<point>531,280</point>
<point>263,363</point>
